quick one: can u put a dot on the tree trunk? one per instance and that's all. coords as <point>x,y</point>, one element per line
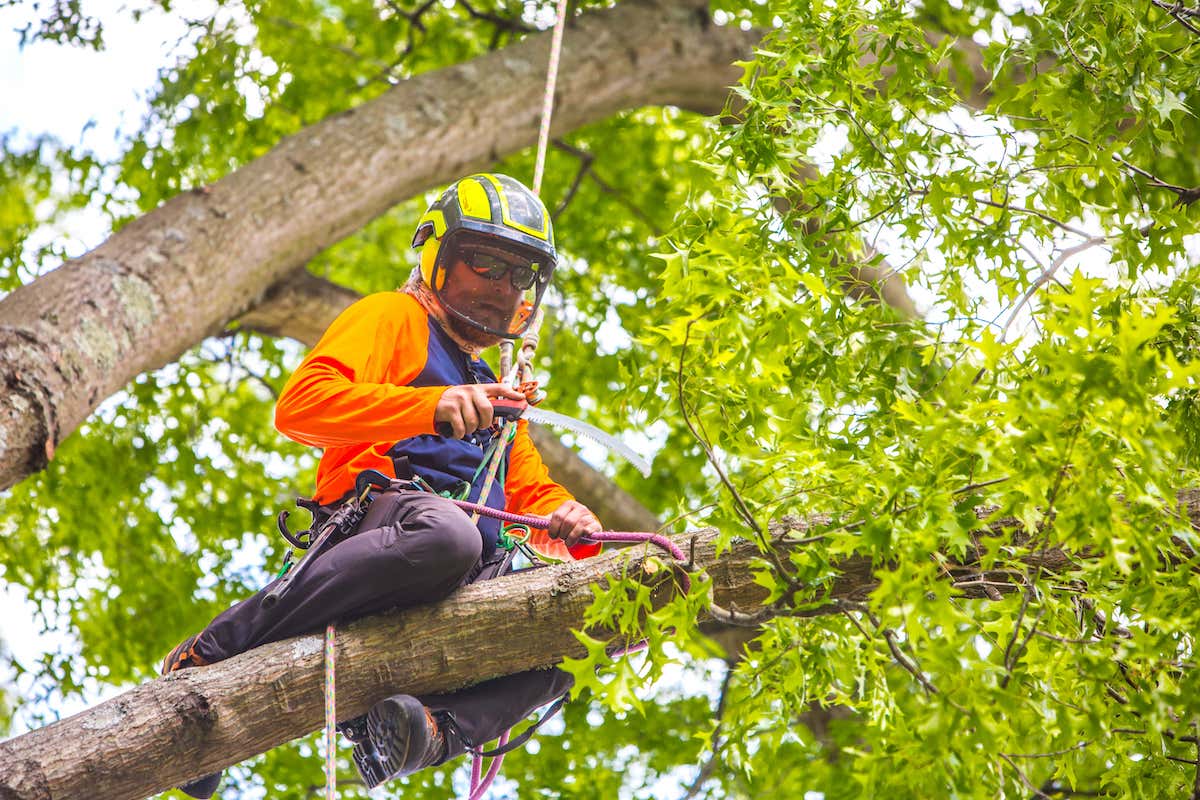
<point>175,729</point>
<point>181,272</point>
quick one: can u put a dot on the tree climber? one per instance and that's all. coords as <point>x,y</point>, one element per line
<point>396,384</point>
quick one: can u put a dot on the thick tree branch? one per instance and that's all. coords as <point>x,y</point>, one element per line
<point>183,271</point>
<point>300,307</point>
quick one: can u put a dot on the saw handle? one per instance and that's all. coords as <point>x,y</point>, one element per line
<point>503,410</point>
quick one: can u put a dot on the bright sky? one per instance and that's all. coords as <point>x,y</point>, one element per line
<point>48,88</point>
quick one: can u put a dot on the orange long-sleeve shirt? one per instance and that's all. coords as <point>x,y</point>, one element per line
<point>369,389</point>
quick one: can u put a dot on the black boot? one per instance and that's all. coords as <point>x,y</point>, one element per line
<point>397,737</point>
<point>202,788</point>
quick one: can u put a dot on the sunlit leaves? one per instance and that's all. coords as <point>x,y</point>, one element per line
<point>1050,390</point>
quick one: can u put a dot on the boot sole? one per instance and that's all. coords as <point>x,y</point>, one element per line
<point>369,768</point>
<point>393,725</point>
<point>202,788</point>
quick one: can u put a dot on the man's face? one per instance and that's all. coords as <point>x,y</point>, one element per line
<point>489,302</point>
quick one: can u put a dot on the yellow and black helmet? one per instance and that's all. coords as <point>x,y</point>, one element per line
<point>494,214</point>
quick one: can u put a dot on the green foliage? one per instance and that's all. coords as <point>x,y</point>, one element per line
<point>1070,413</point>
<point>32,204</point>
<point>1035,192</point>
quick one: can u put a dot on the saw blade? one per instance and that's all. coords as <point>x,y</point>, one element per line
<point>606,440</point>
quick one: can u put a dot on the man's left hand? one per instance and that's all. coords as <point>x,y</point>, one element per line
<point>572,521</point>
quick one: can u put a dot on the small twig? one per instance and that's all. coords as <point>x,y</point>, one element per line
<point>871,141</point>
<point>1178,8</point>
<point>510,25</point>
<point>1184,195</point>
<point>1196,779</point>
<point>970,487</point>
<point>706,770</point>
<point>1115,695</point>
<point>732,616</point>
<point>866,221</point>
<point>607,188</point>
<point>1065,640</point>
<point>1032,212</point>
<point>988,587</point>
<point>889,636</point>
<point>585,166</point>
<point>1024,778</point>
<point>845,607</point>
<point>1102,624</point>
<point>1054,754</point>
<point>1012,640</point>
<point>1178,13</point>
<point>1089,69</point>
<point>1045,277</point>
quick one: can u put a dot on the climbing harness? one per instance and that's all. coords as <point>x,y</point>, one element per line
<point>339,524</point>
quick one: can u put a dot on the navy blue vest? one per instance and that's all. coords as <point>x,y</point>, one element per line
<point>447,464</point>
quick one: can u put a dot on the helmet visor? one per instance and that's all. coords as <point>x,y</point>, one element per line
<point>492,285</point>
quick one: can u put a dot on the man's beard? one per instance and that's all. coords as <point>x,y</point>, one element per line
<point>469,334</point>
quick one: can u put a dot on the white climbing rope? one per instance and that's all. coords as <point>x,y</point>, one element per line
<point>548,101</point>
<point>330,715</point>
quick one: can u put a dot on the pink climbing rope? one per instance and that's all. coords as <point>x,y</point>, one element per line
<point>543,523</point>
<point>480,785</point>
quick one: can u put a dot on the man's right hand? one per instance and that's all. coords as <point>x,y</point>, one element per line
<point>462,410</point>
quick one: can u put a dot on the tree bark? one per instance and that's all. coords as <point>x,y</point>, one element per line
<point>183,271</point>
<point>192,722</point>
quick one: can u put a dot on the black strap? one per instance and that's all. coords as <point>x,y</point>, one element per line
<point>404,470</point>
<point>514,743</point>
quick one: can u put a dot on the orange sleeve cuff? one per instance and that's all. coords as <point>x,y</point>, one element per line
<point>530,490</point>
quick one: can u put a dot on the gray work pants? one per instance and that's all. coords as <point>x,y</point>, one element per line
<point>411,548</point>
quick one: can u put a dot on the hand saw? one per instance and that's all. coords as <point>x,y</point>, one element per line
<point>513,409</point>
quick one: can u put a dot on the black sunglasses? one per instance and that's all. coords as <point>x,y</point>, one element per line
<point>494,266</point>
